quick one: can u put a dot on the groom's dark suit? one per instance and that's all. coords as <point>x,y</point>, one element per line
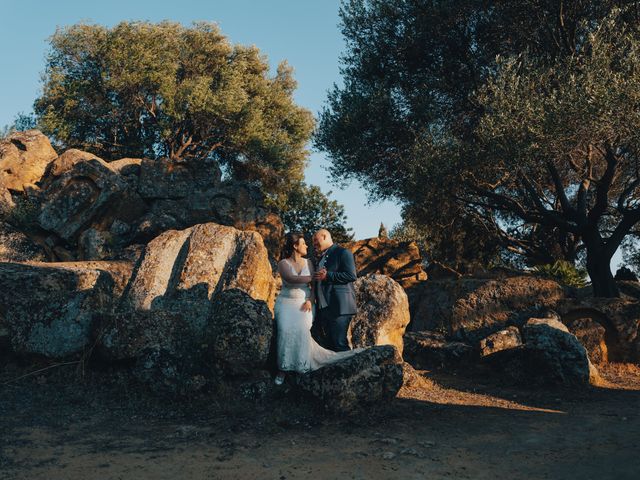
<point>336,297</point>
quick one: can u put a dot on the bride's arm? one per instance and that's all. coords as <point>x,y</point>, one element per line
<point>286,272</point>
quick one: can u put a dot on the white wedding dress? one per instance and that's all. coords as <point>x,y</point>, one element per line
<point>297,350</point>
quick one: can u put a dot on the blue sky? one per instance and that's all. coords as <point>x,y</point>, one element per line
<point>303,32</point>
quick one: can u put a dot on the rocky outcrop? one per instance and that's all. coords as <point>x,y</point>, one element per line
<point>399,260</point>
<point>368,378</point>
<point>90,194</point>
<point>24,157</point>
<point>15,246</point>
<point>183,270</point>
<point>470,309</point>
<point>431,350</point>
<point>383,313</point>
<point>611,324</point>
<point>48,310</point>
<point>94,209</point>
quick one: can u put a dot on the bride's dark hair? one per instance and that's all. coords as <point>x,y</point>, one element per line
<point>290,241</point>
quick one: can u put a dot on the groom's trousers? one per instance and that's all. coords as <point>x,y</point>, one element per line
<point>335,328</point>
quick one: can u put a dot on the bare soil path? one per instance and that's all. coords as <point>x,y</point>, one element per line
<point>446,427</point>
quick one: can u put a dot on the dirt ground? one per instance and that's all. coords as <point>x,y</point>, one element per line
<point>448,426</point>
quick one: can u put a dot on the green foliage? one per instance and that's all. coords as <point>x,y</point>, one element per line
<point>519,118</point>
<point>563,272</point>
<point>20,123</point>
<point>141,89</point>
<point>307,209</point>
<point>6,131</point>
<point>461,244</point>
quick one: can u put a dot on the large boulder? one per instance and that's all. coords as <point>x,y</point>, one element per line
<point>167,356</point>
<point>550,355</point>
<point>367,378</point>
<point>15,246</point>
<point>399,260</point>
<point>183,270</point>
<point>558,353</point>
<point>172,356</point>
<point>470,309</point>
<point>49,310</point>
<point>65,162</point>
<point>432,350</point>
<point>383,313</point>
<point>239,332</point>
<point>24,157</point>
<point>89,194</point>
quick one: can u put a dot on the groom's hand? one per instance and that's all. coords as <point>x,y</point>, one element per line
<point>320,275</point>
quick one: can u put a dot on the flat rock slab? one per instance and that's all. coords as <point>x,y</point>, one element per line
<point>501,340</point>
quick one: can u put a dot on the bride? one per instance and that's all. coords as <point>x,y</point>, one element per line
<point>297,350</point>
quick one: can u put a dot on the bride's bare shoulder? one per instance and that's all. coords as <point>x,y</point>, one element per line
<point>284,263</point>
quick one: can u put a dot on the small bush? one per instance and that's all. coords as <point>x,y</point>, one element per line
<point>563,272</point>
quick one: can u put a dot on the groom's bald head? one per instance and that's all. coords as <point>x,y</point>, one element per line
<point>322,240</point>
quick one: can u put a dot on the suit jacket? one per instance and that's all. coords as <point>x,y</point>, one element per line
<point>338,286</point>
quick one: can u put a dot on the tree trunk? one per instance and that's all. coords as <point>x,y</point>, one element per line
<point>599,269</point>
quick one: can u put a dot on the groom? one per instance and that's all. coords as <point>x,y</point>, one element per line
<point>335,295</point>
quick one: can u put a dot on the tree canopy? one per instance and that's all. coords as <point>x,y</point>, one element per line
<point>144,89</point>
<point>307,209</point>
<point>516,118</point>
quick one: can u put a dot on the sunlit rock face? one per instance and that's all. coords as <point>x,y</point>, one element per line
<point>24,157</point>
<point>181,270</point>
